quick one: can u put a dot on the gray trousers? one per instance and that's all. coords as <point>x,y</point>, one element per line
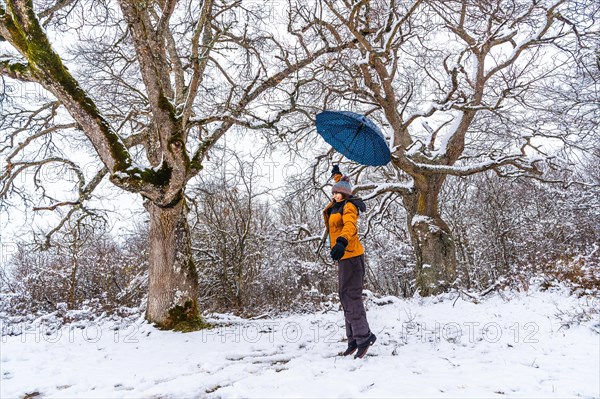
<point>351,274</point>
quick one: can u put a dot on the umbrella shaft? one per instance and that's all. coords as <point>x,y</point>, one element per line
<point>355,135</point>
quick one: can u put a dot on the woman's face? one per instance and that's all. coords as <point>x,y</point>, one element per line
<point>338,197</point>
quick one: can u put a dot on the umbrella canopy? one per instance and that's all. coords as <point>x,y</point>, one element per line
<point>354,136</point>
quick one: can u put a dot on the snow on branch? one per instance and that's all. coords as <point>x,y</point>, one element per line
<point>534,39</point>
<point>382,188</point>
<point>513,160</point>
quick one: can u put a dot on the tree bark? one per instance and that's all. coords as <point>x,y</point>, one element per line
<point>172,275</point>
<point>435,250</point>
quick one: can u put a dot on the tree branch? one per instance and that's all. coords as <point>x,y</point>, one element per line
<point>22,29</point>
<point>251,94</point>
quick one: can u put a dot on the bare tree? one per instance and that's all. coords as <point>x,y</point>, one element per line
<point>152,86</point>
<point>230,233</point>
<point>459,86</point>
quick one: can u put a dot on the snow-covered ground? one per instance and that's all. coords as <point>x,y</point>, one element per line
<point>433,347</point>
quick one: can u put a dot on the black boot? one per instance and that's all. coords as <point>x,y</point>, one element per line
<point>350,349</point>
<point>364,347</point>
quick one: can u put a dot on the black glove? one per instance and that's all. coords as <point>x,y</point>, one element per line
<point>339,248</point>
<point>335,170</point>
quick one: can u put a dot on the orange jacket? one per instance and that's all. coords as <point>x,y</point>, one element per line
<point>344,224</point>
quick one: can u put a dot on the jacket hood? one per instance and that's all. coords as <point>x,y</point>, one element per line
<point>358,203</point>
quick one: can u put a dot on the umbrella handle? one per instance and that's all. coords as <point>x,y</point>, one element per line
<point>356,134</point>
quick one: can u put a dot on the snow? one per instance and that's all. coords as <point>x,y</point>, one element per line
<point>417,219</point>
<point>364,60</point>
<point>386,187</point>
<point>426,347</point>
<point>121,175</point>
<point>443,145</point>
<point>414,148</point>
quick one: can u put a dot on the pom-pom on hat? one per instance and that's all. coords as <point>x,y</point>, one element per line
<point>335,170</point>
<point>336,174</point>
<point>343,186</point>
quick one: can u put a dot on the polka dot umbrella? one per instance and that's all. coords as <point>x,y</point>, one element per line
<point>354,136</point>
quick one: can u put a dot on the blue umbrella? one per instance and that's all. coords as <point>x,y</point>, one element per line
<point>354,136</point>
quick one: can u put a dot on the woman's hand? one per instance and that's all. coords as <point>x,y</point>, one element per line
<point>337,252</point>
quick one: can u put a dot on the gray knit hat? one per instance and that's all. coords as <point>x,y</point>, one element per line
<point>343,186</point>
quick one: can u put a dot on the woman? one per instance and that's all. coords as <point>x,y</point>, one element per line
<point>341,217</point>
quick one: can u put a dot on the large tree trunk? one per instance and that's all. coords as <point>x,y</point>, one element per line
<point>173,278</point>
<point>435,250</point>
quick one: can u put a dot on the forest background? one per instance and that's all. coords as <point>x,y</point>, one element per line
<point>160,158</point>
